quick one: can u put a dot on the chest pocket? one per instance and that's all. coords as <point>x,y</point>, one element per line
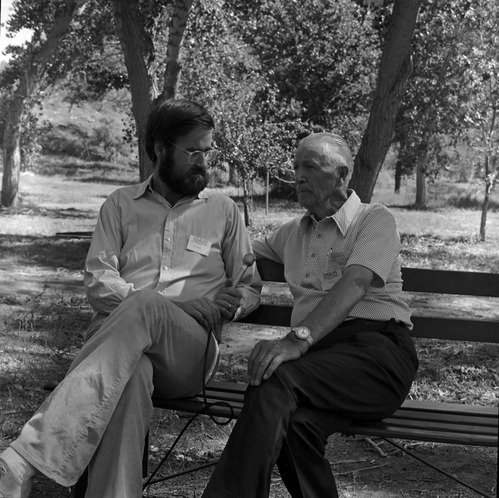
<point>333,269</point>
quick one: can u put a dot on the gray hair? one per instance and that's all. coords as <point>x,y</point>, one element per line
<point>338,148</point>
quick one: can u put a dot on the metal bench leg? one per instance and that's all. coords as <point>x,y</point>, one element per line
<point>450,476</point>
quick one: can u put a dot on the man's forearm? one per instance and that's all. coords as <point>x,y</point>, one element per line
<point>338,302</point>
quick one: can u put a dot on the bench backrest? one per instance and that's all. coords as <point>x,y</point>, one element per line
<point>434,315</point>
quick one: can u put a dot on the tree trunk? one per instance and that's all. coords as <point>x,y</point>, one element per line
<point>485,209</point>
<point>12,151</point>
<point>486,199</point>
<point>246,201</point>
<point>421,182</point>
<point>394,70</point>
<point>398,177</point>
<point>175,35</point>
<point>138,51</point>
<point>34,68</point>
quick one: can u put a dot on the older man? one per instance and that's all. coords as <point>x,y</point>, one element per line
<point>158,276</point>
<point>348,354</point>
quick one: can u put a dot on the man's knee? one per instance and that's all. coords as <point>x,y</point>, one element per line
<point>149,302</point>
<point>142,298</point>
<point>273,391</point>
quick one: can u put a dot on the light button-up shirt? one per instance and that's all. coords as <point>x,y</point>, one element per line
<point>142,242</point>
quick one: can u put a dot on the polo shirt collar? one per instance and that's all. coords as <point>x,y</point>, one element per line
<point>343,218</point>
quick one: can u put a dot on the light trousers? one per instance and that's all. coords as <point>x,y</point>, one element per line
<point>99,414</point>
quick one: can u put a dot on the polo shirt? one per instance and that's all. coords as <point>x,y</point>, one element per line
<point>315,253</point>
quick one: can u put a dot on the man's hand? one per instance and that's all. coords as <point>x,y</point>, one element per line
<point>267,356</point>
<point>228,299</point>
<point>205,312</point>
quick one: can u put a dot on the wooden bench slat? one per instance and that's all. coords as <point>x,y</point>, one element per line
<point>423,420</point>
<point>421,434</point>
<point>419,417</point>
<point>468,283</point>
<point>443,407</point>
<point>455,329</point>
<point>463,426</point>
<point>424,326</point>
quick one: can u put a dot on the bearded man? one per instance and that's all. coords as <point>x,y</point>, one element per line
<point>158,277</point>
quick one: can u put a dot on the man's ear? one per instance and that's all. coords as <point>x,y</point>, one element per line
<point>159,150</point>
<point>343,172</point>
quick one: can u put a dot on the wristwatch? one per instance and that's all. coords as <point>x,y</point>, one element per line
<point>303,333</point>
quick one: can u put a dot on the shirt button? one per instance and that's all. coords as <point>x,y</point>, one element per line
<point>165,267</point>
<point>313,255</point>
<point>319,235</point>
<point>307,275</point>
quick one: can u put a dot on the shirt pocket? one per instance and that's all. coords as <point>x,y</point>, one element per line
<point>333,269</point>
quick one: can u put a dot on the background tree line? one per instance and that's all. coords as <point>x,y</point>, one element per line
<point>417,76</point>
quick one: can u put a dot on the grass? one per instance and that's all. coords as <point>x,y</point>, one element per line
<point>42,332</point>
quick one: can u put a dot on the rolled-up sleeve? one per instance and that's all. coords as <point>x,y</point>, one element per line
<point>235,246</point>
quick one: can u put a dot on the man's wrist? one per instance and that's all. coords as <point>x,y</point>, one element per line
<point>301,344</point>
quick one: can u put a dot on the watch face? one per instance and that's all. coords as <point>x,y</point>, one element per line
<point>302,333</point>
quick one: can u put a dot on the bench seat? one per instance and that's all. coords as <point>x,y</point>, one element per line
<point>421,420</point>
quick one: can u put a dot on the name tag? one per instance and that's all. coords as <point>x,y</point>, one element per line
<point>199,245</point>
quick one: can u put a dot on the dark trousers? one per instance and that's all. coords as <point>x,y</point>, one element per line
<point>362,370</point>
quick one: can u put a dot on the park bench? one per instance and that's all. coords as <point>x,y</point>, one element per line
<point>447,305</point>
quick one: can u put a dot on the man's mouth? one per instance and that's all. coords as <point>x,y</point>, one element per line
<point>198,172</point>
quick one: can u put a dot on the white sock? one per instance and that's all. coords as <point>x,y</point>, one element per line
<point>21,469</point>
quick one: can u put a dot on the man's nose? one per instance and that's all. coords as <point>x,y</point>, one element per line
<point>202,161</point>
<point>299,175</point>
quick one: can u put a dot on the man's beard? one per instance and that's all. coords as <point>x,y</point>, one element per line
<point>190,183</point>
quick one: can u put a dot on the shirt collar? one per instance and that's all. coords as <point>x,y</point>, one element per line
<point>146,185</point>
<point>342,218</point>
<point>143,187</point>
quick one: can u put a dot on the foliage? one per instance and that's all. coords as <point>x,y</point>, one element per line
<point>266,70</point>
<point>483,82</point>
<point>441,101</point>
<point>322,55</point>
<point>88,60</point>
<point>220,71</point>
<point>87,64</point>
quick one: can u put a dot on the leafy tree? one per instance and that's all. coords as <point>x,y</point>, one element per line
<point>435,102</point>
<point>453,94</point>
<point>322,55</point>
<point>52,54</point>
<point>484,105</point>
<point>221,71</point>
<point>393,72</point>
<point>81,61</point>
<point>49,22</point>
<point>140,25</point>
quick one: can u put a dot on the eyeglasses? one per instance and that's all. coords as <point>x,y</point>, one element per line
<point>195,156</point>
